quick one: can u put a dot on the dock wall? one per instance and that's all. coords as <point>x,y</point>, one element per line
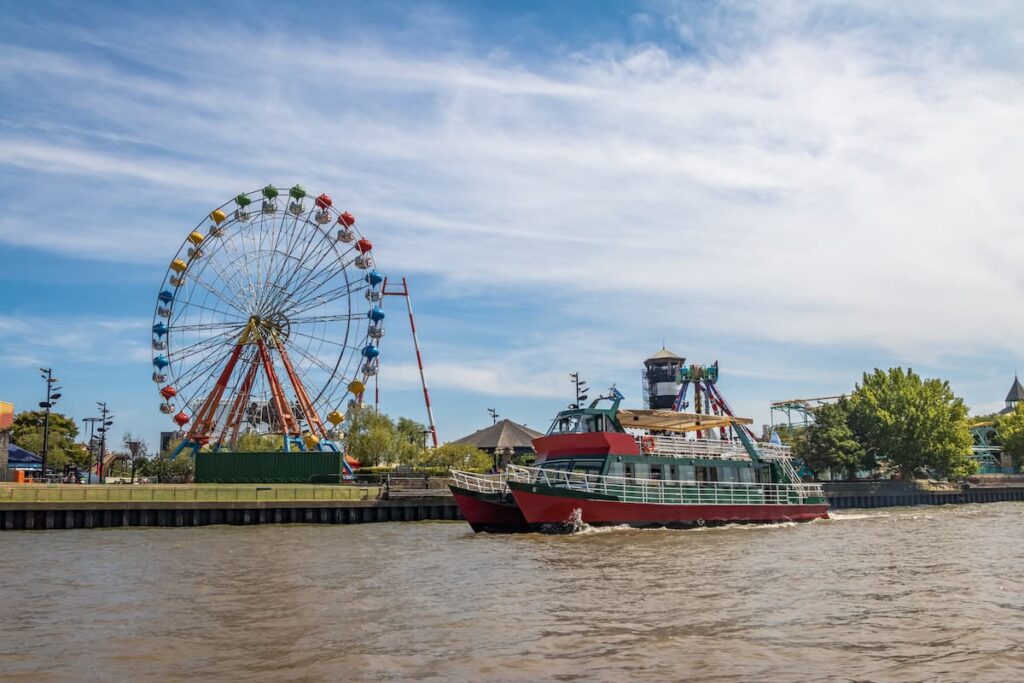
<point>404,507</point>
<point>847,495</point>
<point>125,514</point>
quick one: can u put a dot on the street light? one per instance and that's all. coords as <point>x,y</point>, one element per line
<point>581,390</point>
<point>107,420</point>
<point>52,394</point>
<point>92,439</point>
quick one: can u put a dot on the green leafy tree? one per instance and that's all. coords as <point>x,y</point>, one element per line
<point>251,442</point>
<point>829,443</point>
<point>373,438</point>
<point>916,424</point>
<point>457,456</point>
<point>166,470</point>
<point>1010,433</point>
<point>27,432</point>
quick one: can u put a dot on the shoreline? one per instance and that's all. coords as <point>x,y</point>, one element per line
<point>94,514</point>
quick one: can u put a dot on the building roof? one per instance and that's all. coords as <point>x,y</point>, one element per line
<point>665,354</point>
<point>503,434</point>
<point>16,455</point>
<point>1016,391</point>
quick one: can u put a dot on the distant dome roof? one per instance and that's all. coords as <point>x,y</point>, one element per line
<point>665,354</point>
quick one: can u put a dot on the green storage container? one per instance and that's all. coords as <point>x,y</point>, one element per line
<point>278,467</point>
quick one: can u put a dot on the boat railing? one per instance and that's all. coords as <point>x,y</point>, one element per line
<point>671,445</point>
<point>669,492</point>
<point>482,483</point>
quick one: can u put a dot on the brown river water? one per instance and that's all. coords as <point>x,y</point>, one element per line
<point>902,594</point>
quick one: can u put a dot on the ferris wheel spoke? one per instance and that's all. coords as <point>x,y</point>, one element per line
<point>195,327</point>
<point>324,340</point>
<point>201,372</point>
<point>184,352</point>
<point>191,304</point>
<point>276,270</point>
<point>209,288</point>
<point>326,318</point>
<point>326,297</point>
<point>291,286</point>
<point>314,360</point>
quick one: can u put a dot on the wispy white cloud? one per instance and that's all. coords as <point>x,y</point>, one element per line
<point>27,340</point>
<point>796,181</point>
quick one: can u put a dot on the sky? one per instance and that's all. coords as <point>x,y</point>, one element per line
<point>801,191</point>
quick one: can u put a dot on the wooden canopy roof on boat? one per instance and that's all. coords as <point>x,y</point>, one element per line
<point>671,421</point>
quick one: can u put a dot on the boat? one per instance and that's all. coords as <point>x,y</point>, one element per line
<point>486,502</point>
<point>591,470</point>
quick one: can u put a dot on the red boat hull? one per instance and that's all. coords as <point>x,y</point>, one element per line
<point>546,507</point>
<point>489,512</point>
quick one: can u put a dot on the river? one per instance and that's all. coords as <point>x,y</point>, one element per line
<point>902,594</point>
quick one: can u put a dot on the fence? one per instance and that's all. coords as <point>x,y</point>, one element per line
<point>632,490</point>
<point>183,493</point>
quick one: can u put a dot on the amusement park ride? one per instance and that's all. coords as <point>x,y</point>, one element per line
<point>667,384</point>
<point>269,320</point>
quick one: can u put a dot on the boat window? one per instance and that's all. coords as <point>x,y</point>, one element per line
<point>629,470</point>
<point>587,467</point>
<point>616,468</point>
<point>726,474</point>
<point>746,474</point>
<point>655,471</point>
<point>643,470</point>
<point>556,465</point>
<point>568,424</point>
<point>590,423</point>
<point>701,473</point>
<point>686,473</point>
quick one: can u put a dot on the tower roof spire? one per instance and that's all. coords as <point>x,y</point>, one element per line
<point>1016,391</point>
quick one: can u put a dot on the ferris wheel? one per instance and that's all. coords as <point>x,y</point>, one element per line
<point>268,321</point>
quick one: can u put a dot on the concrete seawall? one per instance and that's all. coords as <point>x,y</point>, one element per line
<point>15,516</point>
<point>847,495</point>
<point>404,506</point>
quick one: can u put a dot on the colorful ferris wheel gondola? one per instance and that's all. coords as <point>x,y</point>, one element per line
<point>266,320</point>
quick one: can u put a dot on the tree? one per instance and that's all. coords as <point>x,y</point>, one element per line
<point>252,442</point>
<point>916,424</point>
<point>829,443</point>
<point>165,470</point>
<point>140,453</point>
<point>27,432</point>
<point>457,456</point>
<point>373,438</point>
<point>1010,433</point>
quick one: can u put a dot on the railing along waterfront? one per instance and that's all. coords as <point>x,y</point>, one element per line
<point>708,449</point>
<point>180,493</point>
<point>482,483</point>
<point>669,492</point>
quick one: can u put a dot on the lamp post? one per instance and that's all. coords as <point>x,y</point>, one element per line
<point>107,419</point>
<point>92,427</point>
<point>581,390</point>
<point>51,400</point>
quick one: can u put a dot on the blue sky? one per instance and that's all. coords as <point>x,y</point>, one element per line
<point>801,191</point>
